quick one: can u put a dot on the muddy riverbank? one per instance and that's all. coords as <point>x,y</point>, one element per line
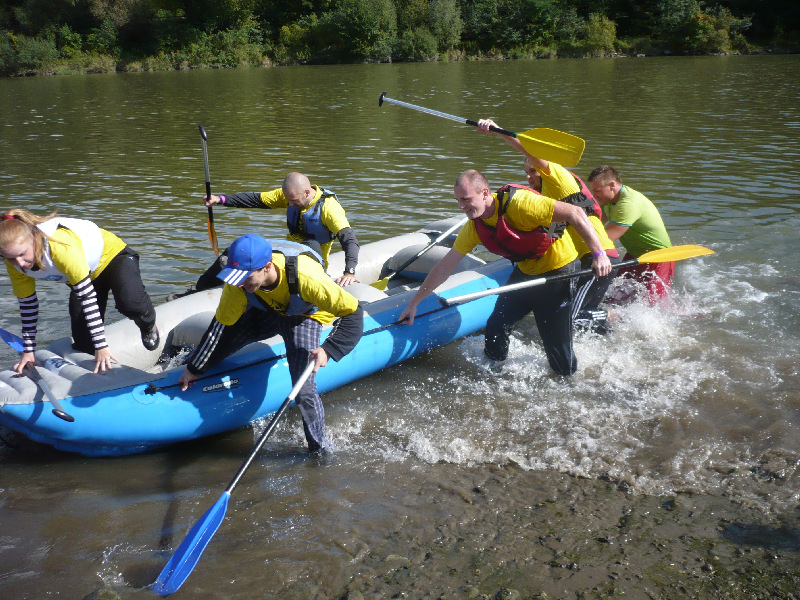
<point>510,533</point>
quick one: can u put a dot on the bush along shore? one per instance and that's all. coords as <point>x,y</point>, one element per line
<point>40,37</point>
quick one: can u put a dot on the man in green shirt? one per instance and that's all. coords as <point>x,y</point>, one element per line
<point>635,221</point>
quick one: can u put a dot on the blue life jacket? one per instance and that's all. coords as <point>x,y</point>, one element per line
<point>312,228</point>
<point>297,306</point>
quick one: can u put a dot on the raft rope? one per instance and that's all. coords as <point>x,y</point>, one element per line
<point>152,388</point>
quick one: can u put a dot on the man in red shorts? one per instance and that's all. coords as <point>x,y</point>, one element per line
<point>635,221</point>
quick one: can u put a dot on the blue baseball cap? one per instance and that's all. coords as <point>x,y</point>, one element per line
<point>248,253</point>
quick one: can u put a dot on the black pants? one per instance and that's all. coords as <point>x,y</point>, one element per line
<point>122,278</point>
<point>209,279</point>
<point>551,305</point>
<point>599,287</point>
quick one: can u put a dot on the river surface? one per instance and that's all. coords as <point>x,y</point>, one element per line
<point>700,396</point>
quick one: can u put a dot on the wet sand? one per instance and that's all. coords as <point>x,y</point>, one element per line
<point>510,533</point>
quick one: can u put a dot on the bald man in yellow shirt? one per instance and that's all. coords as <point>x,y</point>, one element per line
<point>527,217</point>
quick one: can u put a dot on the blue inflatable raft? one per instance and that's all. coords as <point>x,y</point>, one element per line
<point>138,406</point>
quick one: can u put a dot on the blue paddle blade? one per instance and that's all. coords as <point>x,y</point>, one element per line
<point>12,340</point>
<point>182,563</point>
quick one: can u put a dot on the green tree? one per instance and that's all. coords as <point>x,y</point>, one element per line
<point>417,44</point>
<point>518,24</point>
<point>358,30</point>
<point>411,14</point>
<point>444,21</point>
<point>103,39</point>
<point>686,27</point>
<point>601,35</point>
<point>219,15</point>
<point>295,41</point>
<point>21,54</point>
<point>68,42</point>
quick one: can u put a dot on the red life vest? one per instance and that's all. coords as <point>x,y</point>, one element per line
<point>510,243</point>
<point>584,199</point>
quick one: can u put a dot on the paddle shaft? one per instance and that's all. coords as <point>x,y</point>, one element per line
<point>529,283</point>
<point>185,558</point>
<point>212,232</point>
<point>15,342</point>
<point>557,146</point>
<point>271,426</point>
<point>58,410</point>
<point>662,255</point>
<point>428,247</point>
<point>436,113</point>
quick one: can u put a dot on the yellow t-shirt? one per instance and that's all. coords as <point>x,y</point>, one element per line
<point>66,251</point>
<point>600,230</point>
<point>313,283</point>
<point>332,215</point>
<point>559,183</point>
<point>526,212</point>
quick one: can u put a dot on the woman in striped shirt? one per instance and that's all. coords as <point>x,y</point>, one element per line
<point>92,262</point>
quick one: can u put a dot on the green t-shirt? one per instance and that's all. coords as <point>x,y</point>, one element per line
<point>646,230</point>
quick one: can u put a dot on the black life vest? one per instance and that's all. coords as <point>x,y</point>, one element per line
<point>297,306</point>
<point>506,241</point>
<point>584,199</point>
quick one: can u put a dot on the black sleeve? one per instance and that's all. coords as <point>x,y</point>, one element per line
<point>244,200</point>
<point>345,335</point>
<point>198,361</point>
<point>347,238</point>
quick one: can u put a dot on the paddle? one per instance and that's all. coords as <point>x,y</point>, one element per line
<point>656,256</point>
<point>15,342</point>
<point>382,283</point>
<point>551,144</point>
<point>180,566</point>
<point>212,233</point>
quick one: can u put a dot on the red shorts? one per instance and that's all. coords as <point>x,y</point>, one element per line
<point>655,277</point>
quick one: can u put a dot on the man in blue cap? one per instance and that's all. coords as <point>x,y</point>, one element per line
<point>280,288</point>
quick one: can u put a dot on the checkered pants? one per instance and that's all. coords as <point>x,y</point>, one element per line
<point>301,336</point>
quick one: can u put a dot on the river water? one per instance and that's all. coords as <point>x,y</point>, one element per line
<point>702,396</point>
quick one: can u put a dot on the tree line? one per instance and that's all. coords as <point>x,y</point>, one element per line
<point>61,36</point>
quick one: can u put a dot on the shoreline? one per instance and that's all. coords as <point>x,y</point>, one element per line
<point>533,534</point>
<point>103,64</point>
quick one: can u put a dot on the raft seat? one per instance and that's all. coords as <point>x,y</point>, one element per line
<point>16,389</point>
<point>421,267</point>
<point>399,289</point>
<point>189,332</point>
<point>365,293</point>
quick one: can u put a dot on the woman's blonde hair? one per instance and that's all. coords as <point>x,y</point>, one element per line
<point>17,224</point>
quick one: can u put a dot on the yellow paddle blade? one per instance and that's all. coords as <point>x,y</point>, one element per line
<point>550,144</point>
<point>212,237</point>
<point>380,284</point>
<point>675,253</point>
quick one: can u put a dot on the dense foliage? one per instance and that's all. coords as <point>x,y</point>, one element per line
<point>51,36</point>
